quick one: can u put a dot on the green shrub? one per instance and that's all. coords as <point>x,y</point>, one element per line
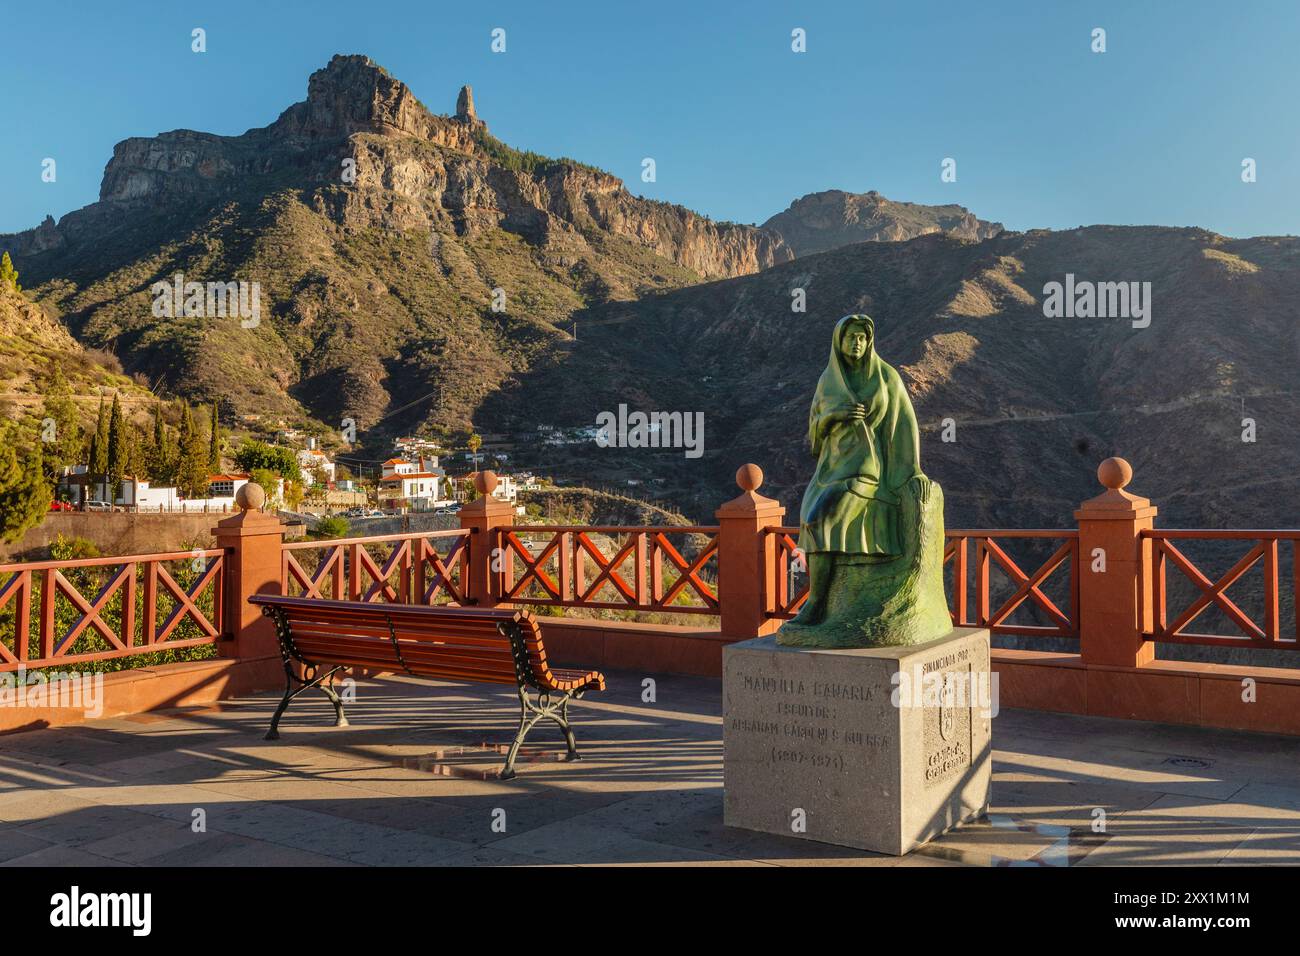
<point>331,527</point>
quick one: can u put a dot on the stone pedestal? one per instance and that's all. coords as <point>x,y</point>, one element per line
<point>858,747</point>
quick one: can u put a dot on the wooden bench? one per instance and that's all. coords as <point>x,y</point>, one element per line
<point>486,646</point>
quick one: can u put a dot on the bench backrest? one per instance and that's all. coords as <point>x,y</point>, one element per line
<point>450,642</point>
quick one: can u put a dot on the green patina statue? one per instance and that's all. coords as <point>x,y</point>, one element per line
<point>871,524</point>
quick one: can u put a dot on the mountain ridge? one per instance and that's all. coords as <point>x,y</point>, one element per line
<point>820,221</point>
<point>380,235</point>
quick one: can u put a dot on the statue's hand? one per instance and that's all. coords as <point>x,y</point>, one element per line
<point>921,486</point>
<point>859,413</point>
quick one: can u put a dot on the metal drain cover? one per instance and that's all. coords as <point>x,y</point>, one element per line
<point>1193,763</point>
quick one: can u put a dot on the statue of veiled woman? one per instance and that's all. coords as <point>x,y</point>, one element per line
<point>871,523</point>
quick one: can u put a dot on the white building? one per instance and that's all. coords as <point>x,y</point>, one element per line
<point>142,496</point>
<point>419,486</point>
<point>313,460</point>
<point>506,490</point>
<point>408,466</point>
<point>398,466</point>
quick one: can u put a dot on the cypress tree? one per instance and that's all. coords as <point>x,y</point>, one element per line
<point>161,462</point>
<point>191,466</point>
<point>118,450</point>
<point>214,443</point>
<point>98,463</point>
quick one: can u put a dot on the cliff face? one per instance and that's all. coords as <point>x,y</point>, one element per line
<point>379,235</point>
<point>826,220</point>
<point>414,170</point>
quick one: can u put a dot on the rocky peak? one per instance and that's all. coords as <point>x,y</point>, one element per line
<point>824,220</point>
<point>465,107</point>
<point>354,95</point>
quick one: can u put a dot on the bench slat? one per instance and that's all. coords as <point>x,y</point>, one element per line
<point>409,648</point>
<point>452,642</point>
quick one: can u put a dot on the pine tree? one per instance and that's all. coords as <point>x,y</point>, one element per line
<point>9,275</point>
<point>191,464</point>
<point>118,450</point>
<point>24,494</point>
<point>214,443</point>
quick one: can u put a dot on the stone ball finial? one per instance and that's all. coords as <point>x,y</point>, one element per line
<point>485,481</point>
<point>250,496</point>
<point>749,477</point>
<point>1114,473</point>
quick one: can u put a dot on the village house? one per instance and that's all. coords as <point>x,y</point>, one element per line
<point>414,449</point>
<point>312,462</point>
<point>418,485</point>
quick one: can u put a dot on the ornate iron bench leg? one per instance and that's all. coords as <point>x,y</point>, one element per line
<point>289,654</point>
<point>529,712</point>
<point>562,718</point>
<point>529,715</point>
<point>340,718</point>
<point>290,692</point>
<point>274,732</point>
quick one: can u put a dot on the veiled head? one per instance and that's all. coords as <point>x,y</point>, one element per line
<point>856,338</point>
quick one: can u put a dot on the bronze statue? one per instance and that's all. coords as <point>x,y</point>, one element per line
<point>871,523</point>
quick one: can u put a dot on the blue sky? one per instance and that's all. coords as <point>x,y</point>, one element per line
<point>1045,132</point>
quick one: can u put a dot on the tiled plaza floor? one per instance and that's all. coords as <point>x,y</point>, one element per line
<point>412,781</point>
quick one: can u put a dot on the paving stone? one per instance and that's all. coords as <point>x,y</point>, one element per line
<point>411,784</point>
<point>87,824</point>
<point>143,844</point>
<point>14,843</point>
<point>61,856</point>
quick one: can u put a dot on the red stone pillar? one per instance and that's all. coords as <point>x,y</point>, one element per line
<point>253,542</point>
<point>483,516</point>
<point>745,557</point>
<point>1113,610</point>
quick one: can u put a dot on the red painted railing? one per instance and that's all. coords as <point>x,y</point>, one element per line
<point>1027,585</point>
<point>413,571</point>
<point>786,583</point>
<point>787,588</point>
<point>1264,632</point>
<point>92,609</point>
<point>624,568</point>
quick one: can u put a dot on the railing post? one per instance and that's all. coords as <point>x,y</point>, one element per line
<point>483,516</point>
<point>252,541</point>
<point>1115,605</point>
<point>745,557</point>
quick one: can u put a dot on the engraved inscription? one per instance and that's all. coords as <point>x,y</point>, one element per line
<point>807,723</point>
<point>947,723</point>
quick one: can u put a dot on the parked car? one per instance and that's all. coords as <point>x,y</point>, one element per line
<point>98,506</point>
<point>61,506</point>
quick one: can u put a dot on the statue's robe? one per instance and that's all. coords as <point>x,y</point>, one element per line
<point>851,506</point>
